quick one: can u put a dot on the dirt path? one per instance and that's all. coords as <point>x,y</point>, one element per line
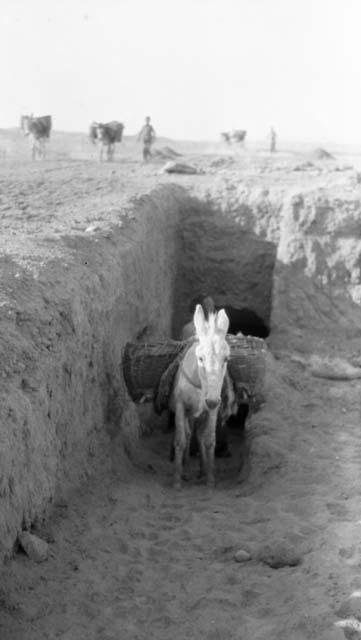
<point>133,559</point>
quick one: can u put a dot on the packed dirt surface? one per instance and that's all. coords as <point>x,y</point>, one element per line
<point>274,550</point>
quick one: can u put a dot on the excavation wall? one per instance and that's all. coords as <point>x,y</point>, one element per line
<point>317,277</point>
<point>62,329</point>
<point>65,320</point>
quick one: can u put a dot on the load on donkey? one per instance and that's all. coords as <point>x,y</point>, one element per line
<point>202,380</point>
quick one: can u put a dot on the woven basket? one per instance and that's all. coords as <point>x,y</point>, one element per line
<point>144,365</point>
<point>149,369</point>
<point>247,367</point>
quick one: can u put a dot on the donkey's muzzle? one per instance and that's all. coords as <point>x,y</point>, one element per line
<point>212,404</point>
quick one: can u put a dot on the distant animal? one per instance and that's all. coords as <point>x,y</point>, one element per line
<point>106,135</point>
<point>38,129</point>
<point>243,320</point>
<point>226,137</point>
<point>196,394</point>
<point>237,135</point>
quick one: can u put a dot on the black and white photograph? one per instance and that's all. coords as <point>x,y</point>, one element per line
<point>180,320</point>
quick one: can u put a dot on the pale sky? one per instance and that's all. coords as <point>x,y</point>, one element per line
<point>197,67</point>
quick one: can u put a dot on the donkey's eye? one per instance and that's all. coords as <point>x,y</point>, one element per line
<point>201,360</point>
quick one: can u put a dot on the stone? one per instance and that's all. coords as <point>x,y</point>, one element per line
<point>242,556</point>
<point>351,607</point>
<point>351,628</point>
<point>35,548</point>
<point>280,554</point>
<point>180,167</point>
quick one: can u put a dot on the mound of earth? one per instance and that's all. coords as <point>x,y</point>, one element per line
<point>180,167</point>
<point>172,152</point>
<point>166,153</point>
<point>304,166</point>
<point>224,162</point>
<point>322,154</point>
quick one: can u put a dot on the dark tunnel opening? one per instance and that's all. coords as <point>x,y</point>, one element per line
<point>216,257</point>
<point>243,320</point>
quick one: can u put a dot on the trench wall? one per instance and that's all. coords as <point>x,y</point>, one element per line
<point>62,329</point>
<point>63,403</point>
<point>317,276</point>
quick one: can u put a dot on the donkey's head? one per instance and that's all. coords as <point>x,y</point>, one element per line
<point>212,352</point>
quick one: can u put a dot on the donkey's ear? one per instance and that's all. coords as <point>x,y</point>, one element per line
<point>222,321</point>
<point>199,320</point>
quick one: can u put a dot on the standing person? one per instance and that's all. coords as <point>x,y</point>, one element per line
<point>273,138</point>
<point>147,135</point>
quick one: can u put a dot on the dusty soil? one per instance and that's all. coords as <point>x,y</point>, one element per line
<point>131,558</point>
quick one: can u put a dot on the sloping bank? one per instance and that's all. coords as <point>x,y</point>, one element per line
<point>62,329</point>
<point>63,325</point>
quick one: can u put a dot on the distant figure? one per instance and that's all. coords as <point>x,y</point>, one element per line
<point>38,130</point>
<point>106,135</point>
<point>226,137</point>
<point>237,136</point>
<point>147,136</point>
<point>273,139</point>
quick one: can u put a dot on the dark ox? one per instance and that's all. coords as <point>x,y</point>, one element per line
<point>106,135</point>
<point>243,320</point>
<point>38,130</point>
<point>237,136</point>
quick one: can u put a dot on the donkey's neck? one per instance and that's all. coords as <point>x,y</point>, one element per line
<point>190,368</point>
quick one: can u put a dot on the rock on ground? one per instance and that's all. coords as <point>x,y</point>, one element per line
<point>34,547</point>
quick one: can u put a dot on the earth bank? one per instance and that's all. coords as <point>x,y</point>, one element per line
<point>66,319</point>
<point>63,327</point>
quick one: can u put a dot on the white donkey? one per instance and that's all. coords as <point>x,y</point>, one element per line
<point>196,394</point>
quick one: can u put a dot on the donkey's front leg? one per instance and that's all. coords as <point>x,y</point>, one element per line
<point>209,443</point>
<point>188,430</point>
<point>180,443</point>
<point>201,426</point>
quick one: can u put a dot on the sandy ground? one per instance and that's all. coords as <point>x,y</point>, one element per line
<point>130,558</point>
